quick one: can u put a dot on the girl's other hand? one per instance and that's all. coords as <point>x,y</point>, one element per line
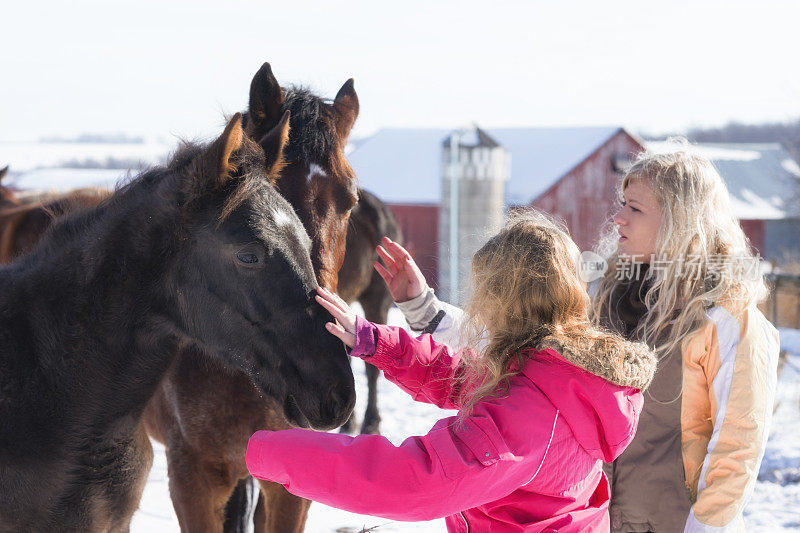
<point>345,328</point>
<point>401,273</point>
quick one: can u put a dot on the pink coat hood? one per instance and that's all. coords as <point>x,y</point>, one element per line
<point>528,460</point>
<point>601,415</point>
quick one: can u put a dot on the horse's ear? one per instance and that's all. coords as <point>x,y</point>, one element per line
<point>345,106</point>
<point>273,143</point>
<point>3,172</point>
<point>216,161</point>
<point>266,99</point>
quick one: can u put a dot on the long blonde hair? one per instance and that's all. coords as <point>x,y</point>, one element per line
<point>527,293</point>
<point>702,256</point>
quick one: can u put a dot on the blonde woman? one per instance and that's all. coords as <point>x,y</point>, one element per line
<point>542,402</point>
<point>682,279</point>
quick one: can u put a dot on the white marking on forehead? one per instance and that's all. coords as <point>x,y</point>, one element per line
<point>315,170</point>
<point>281,218</point>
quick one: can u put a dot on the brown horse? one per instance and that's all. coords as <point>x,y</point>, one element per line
<point>189,411</point>
<point>23,223</point>
<point>204,420</point>
<point>370,220</point>
<point>114,297</point>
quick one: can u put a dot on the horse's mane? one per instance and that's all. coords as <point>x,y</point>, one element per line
<point>308,142</point>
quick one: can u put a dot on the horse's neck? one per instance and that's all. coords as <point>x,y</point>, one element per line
<point>83,322</point>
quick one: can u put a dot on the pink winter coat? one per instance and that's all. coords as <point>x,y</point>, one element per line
<point>527,461</point>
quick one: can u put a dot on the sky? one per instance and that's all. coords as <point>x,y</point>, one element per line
<point>168,69</point>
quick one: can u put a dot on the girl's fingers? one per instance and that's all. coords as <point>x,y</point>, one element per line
<point>385,274</point>
<point>402,256</point>
<point>337,307</point>
<point>397,251</point>
<point>330,306</point>
<point>333,304</point>
<point>332,297</point>
<point>339,300</point>
<point>391,264</point>
<point>391,248</point>
<point>335,329</point>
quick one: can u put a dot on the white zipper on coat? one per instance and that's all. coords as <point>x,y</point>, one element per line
<point>464,518</point>
<point>552,432</point>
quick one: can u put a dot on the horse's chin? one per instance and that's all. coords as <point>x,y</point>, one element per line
<point>293,414</point>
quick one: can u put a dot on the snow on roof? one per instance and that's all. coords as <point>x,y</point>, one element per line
<point>404,165</point>
<point>542,156</point>
<point>401,165</point>
<point>761,177</point>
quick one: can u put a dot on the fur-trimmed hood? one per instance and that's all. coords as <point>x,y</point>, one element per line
<point>627,364</point>
<point>598,399</point>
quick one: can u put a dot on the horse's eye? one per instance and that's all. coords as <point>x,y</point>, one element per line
<point>252,255</point>
<point>247,258</point>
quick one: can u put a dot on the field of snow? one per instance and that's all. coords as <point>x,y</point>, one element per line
<point>776,500</point>
<point>775,505</point>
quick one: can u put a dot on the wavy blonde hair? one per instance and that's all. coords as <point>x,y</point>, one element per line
<point>527,293</point>
<point>703,256</point>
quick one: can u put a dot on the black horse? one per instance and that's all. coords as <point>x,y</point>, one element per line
<point>370,221</point>
<point>204,421</point>
<point>202,256</point>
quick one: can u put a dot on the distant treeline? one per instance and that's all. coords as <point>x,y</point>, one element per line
<point>785,133</point>
<point>99,138</point>
<point>109,162</point>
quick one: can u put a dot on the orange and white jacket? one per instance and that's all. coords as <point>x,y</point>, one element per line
<point>729,381</point>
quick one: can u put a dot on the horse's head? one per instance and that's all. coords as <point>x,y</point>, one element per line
<point>244,283</point>
<point>317,179</point>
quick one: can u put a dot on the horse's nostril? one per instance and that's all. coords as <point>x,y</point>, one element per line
<point>339,406</point>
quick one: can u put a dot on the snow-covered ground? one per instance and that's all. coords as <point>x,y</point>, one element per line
<point>776,500</point>
<point>775,505</point>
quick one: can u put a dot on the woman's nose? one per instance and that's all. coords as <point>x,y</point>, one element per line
<point>619,220</point>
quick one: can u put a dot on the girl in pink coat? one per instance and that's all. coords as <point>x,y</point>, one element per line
<point>543,396</point>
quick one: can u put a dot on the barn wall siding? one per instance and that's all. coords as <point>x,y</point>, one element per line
<point>754,229</point>
<point>420,226</point>
<point>781,241</point>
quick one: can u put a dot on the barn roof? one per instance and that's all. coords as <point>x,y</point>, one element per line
<point>762,178</point>
<point>404,165</point>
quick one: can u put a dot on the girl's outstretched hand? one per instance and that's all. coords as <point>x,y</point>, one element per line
<point>401,273</point>
<point>345,328</point>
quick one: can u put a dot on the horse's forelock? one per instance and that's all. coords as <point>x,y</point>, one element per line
<point>312,135</point>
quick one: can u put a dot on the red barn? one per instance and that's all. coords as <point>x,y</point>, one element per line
<point>418,222</point>
<point>568,172</point>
